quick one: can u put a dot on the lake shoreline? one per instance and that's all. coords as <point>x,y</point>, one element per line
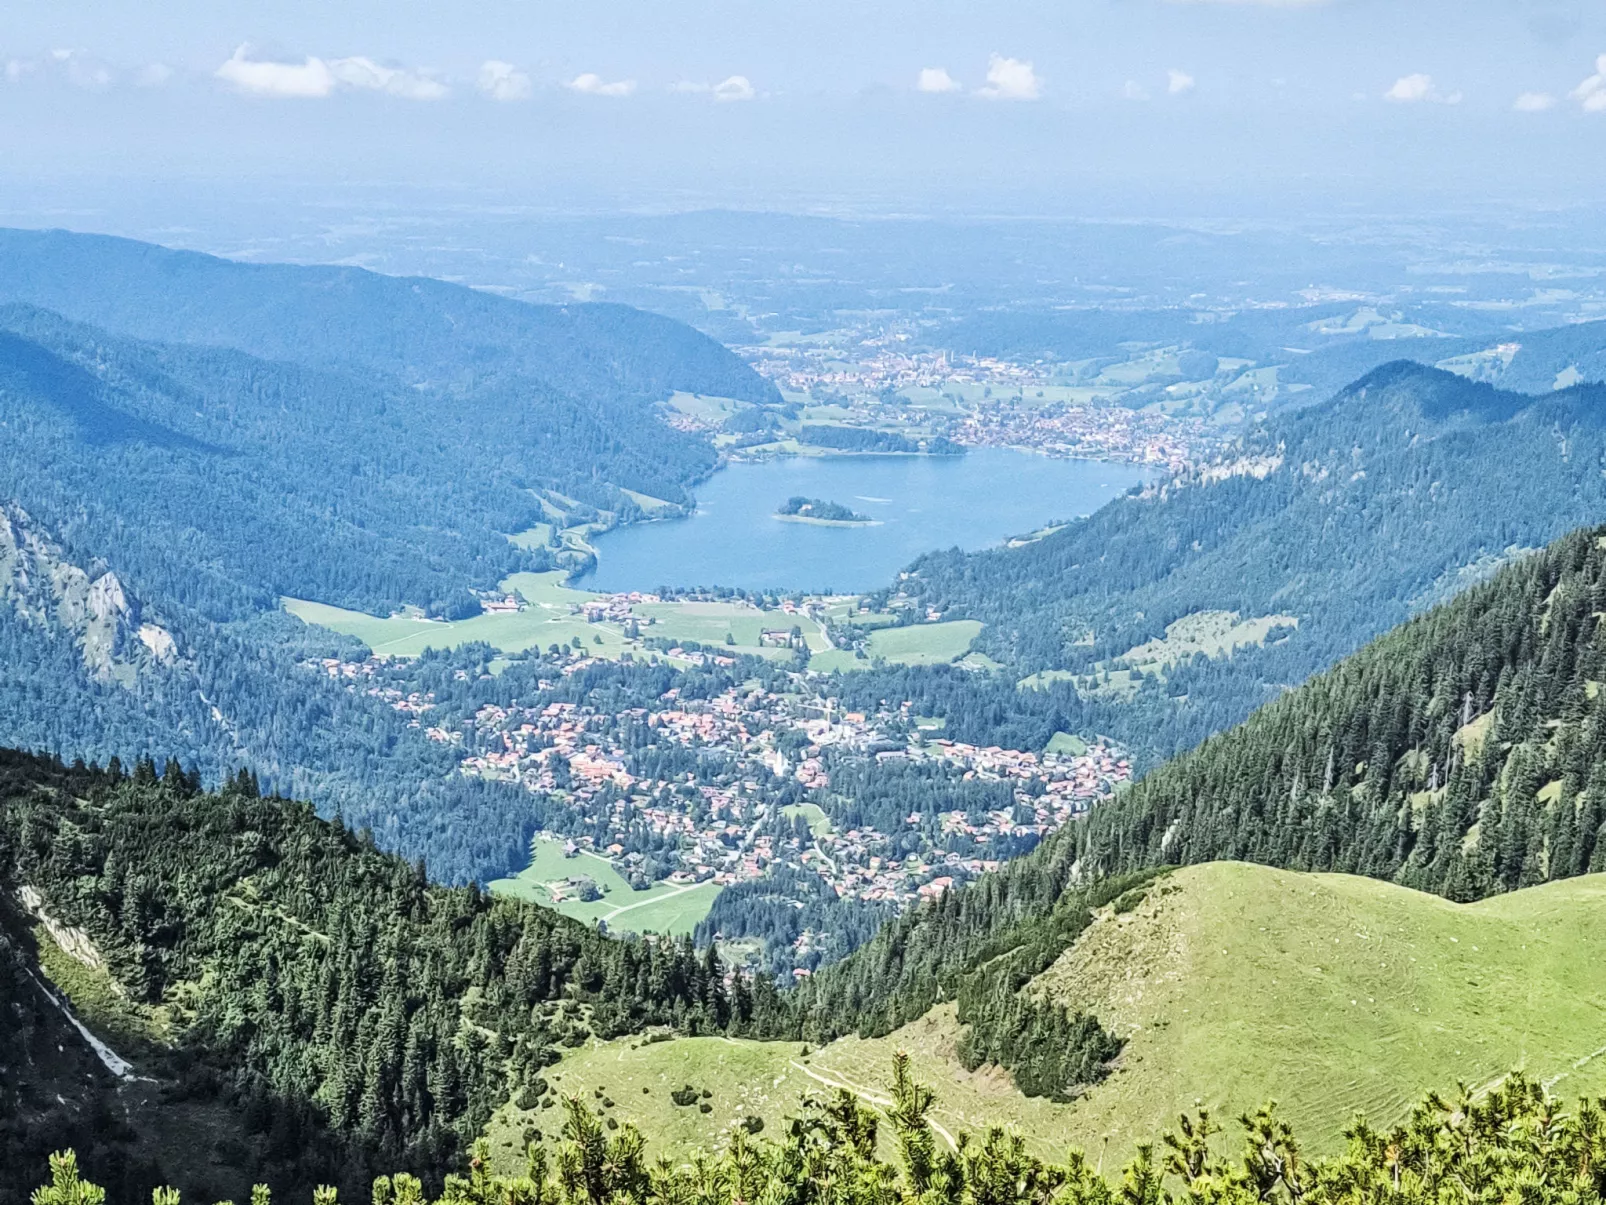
<point>916,504</point>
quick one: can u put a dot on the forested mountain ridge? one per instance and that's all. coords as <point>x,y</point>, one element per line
<point>1460,753</point>
<point>419,330</point>
<point>324,995</point>
<point>1348,516</point>
<point>231,434</point>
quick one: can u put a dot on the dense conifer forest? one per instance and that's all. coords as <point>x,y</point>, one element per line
<point>351,1015</point>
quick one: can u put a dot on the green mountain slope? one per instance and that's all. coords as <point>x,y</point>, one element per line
<point>417,330</point>
<point>1333,994</point>
<point>335,1010</point>
<point>1232,984</point>
<point>1459,754</point>
<point>1347,516</point>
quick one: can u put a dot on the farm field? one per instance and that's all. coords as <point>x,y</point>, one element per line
<point>547,620</point>
<point>662,908</point>
<point>1233,984</point>
<point>709,622</point>
<point>916,644</point>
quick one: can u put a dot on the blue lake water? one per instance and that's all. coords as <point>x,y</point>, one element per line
<point>921,504</point>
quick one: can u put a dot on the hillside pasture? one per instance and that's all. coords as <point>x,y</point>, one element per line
<point>661,908</point>
<point>1233,985</point>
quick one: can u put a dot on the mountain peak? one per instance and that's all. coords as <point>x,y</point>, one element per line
<point>1418,390</point>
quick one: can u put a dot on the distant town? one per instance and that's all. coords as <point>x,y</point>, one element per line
<point>983,401</point>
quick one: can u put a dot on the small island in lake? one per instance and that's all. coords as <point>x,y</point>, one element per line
<point>798,509</point>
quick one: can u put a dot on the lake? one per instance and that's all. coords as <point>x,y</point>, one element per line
<point>920,503</point>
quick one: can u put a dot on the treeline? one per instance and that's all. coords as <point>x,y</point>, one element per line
<point>355,1015</point>
<point>868,439</point>
<point>1512,1144</point>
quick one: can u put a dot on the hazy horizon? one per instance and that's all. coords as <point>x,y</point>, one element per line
<point>1097,108</point>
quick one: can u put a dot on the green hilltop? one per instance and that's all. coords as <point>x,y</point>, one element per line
<point>1232,984</point>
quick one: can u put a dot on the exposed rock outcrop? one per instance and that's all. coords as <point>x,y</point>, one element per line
<point>43,586</point>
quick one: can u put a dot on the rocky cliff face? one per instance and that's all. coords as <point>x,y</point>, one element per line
<point>40,583</point>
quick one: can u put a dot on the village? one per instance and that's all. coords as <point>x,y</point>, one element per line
<point>759,790</point>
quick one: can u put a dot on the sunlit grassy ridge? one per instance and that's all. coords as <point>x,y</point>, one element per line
<point>1233,985</point>
<point>1335,994</point>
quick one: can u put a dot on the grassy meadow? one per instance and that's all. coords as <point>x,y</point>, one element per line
<point>917,644</point>
<point>547,620</point>
<point>1233,985</point>
<point>662,908</point>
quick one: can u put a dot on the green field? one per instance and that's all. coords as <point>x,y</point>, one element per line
<point>916,644</point>
<point>539,536</point>
<point>1234,985</point>
<point>662,908</point>
<point>706,408</point>
<point>813,814</point>
<point>647,502</point>
<point>1213,633</point>
<point>545,622</point>
<point>1067,743</point>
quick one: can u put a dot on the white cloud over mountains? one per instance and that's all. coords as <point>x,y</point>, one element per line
<point>315,78</point>
<point>593,84</point>
<point>936,79</point>
<point>1419,89</point>
<point>1010,79</point>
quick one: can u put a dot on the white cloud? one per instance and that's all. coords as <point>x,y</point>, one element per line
<point>735,87</point>
<point>262,77</point>
<point>315,78</point>
<point>1261,3</point>
<point>1591,94</point>
<point>362,72</point>
<point>1010,79</point>
<point>1133,90</point>
<point>592,83</point>
<point>1178,82</point>
<point>153,75</point>
<point>503,81</point>
<point>1534,102</point>
<point>936,79</point>
<point>1417,89</point>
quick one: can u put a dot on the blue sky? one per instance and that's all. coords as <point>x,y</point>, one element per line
<point>1054,106</point>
